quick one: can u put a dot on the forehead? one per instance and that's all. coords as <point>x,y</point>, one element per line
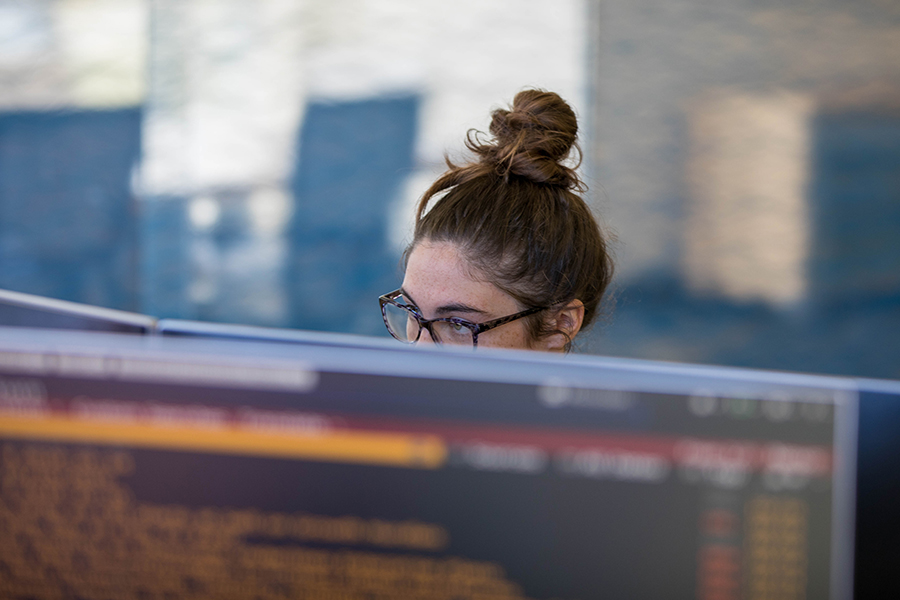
<point>441,257</point>
<point>437,274</point>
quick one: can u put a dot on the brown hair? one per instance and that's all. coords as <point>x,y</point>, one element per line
<point>515,214</point>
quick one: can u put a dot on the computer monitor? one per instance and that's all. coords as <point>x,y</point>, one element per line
<point>878,489</point>
<point>148,466</point>
<point>27,310</point>
<point>206,329</point>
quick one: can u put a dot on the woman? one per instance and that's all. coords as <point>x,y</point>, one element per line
<point>509,255</point>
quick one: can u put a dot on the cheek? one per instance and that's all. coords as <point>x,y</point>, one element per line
<point>512,335</point>
<point>412,328</point>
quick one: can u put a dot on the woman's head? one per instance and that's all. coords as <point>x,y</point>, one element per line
<point>511,229</point>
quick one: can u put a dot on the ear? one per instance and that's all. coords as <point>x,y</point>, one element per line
<point>566,321</point>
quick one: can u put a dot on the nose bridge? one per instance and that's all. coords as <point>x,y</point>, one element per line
<point>425,337</point>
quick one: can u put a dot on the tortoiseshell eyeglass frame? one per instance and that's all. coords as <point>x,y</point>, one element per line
<point>424,323</point>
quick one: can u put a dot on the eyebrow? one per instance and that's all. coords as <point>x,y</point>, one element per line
<point>456,307</point>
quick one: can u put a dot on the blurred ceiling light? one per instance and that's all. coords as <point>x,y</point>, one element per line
<point>270,209</point>
<point>204,212</point>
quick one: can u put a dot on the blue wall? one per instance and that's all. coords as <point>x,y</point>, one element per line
<point>67,215</point>
<point>856,208</point>
<point>353,158</point>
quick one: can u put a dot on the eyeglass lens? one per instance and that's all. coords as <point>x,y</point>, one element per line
<point>405,327</point>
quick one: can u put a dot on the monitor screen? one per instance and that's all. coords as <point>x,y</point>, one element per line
<point>27,310</point>
<point>152,467</point>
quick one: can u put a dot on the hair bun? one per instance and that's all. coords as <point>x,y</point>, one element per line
<point>533,138</point>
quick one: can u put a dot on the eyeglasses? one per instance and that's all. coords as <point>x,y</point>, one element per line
<point>404,321</point>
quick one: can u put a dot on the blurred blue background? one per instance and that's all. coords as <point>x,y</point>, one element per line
<point>258,163</point>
